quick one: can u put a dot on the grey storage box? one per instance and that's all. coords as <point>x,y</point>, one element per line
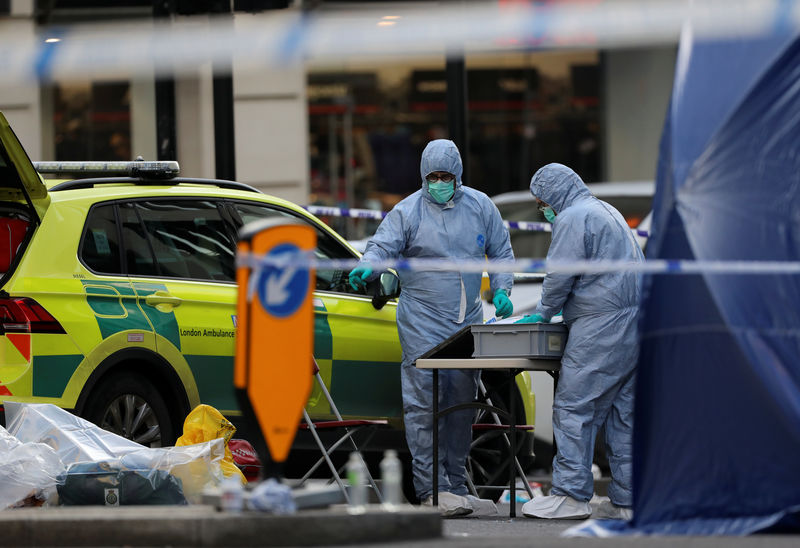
<point>519,340</point>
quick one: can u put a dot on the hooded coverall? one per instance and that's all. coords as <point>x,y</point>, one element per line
<point>596,382</point>
<point>435,305</point>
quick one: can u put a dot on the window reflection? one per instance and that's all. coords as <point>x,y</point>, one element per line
<point>368,127</point>
<point>92,121</point>
<point>187,239</point>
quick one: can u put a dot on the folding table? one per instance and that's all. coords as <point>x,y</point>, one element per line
<point>457,353</point>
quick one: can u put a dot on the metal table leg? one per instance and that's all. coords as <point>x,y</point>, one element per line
<point>512,420</point>
<point>435,438</point>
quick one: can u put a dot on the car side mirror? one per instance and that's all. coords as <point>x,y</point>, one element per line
<point>386,288</point>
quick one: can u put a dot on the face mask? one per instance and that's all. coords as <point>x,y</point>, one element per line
<point>549,214</point>
<point>441,192</point>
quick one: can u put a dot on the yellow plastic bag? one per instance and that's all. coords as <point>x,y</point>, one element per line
<point>205,423</point>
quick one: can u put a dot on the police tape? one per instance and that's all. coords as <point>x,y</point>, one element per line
<point>302,260</point>
<point>280,38</point>
<point>377,215</point>
<point>354,213</point>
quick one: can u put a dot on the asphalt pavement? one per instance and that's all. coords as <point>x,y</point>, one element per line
<point>500,531</point>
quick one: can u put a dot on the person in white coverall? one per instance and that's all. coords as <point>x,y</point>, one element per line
<point>445,220</point>
<point>595,386</point>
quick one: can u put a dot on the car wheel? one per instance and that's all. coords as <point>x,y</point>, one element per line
<point>130,406</point>
<point>487,463</point>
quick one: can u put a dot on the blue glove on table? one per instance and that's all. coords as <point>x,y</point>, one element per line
<point>532,318</point>
<point>502,304</point>
<point>358,276</point>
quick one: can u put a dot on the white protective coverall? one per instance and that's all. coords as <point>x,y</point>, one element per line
<point>435,305</point>
<point>596,382</point>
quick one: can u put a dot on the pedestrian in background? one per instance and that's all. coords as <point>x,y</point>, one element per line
<point>442,220</point>
<point>595,385</point>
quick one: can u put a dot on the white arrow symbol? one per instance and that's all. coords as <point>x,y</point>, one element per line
<point>276,287</point>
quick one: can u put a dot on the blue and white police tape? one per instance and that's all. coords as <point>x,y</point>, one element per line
<point>181,45</point>
<point>653,266</point>
<point>528,225</point>
<point>326,211</point>
<point>378,215</point>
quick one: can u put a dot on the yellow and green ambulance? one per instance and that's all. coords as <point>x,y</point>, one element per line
<point>118,300</point>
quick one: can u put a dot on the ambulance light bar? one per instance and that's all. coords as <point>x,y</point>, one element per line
<point>138,168</point>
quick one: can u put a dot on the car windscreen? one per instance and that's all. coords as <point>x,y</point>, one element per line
<point>534,244</point>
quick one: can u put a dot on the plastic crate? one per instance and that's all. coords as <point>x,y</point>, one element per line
<point>526,340</point>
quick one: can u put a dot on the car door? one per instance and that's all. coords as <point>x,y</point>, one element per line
<point>180,258</point>
<point>356,345</point>
<point>20,182</point>
<point>118,320</point>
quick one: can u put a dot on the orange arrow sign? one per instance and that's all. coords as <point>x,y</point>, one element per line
<point>275,335</point>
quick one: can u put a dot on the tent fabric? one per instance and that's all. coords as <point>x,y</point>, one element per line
<point>717,415</point>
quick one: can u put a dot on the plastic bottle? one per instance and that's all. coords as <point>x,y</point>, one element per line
<point>231,494</point>
<point>357,479</point>
<point>392,479</point>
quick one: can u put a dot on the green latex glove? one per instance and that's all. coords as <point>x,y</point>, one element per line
<point>531,318</point>
<point>358,276</point>
<point>502,304</point>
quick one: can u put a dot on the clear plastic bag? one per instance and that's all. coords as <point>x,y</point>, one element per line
<point>76,441</point>
<point>28,472</point>
<point>71,437</point>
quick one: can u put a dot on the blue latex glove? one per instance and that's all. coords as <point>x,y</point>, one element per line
<point>358,276</point>
<point>531,318</point>
<point>502,304</point>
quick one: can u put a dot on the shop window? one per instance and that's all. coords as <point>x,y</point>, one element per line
<point>92,121</point>
<point>368,127</point>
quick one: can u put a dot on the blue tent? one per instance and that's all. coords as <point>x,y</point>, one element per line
<point>717,428</point>
<point>717,416</point>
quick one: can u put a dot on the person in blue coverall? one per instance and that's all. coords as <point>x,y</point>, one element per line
<point>595,386</point>
<point>442,220</point>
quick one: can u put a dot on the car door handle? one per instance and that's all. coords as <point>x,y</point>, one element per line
<point>161,298</point>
